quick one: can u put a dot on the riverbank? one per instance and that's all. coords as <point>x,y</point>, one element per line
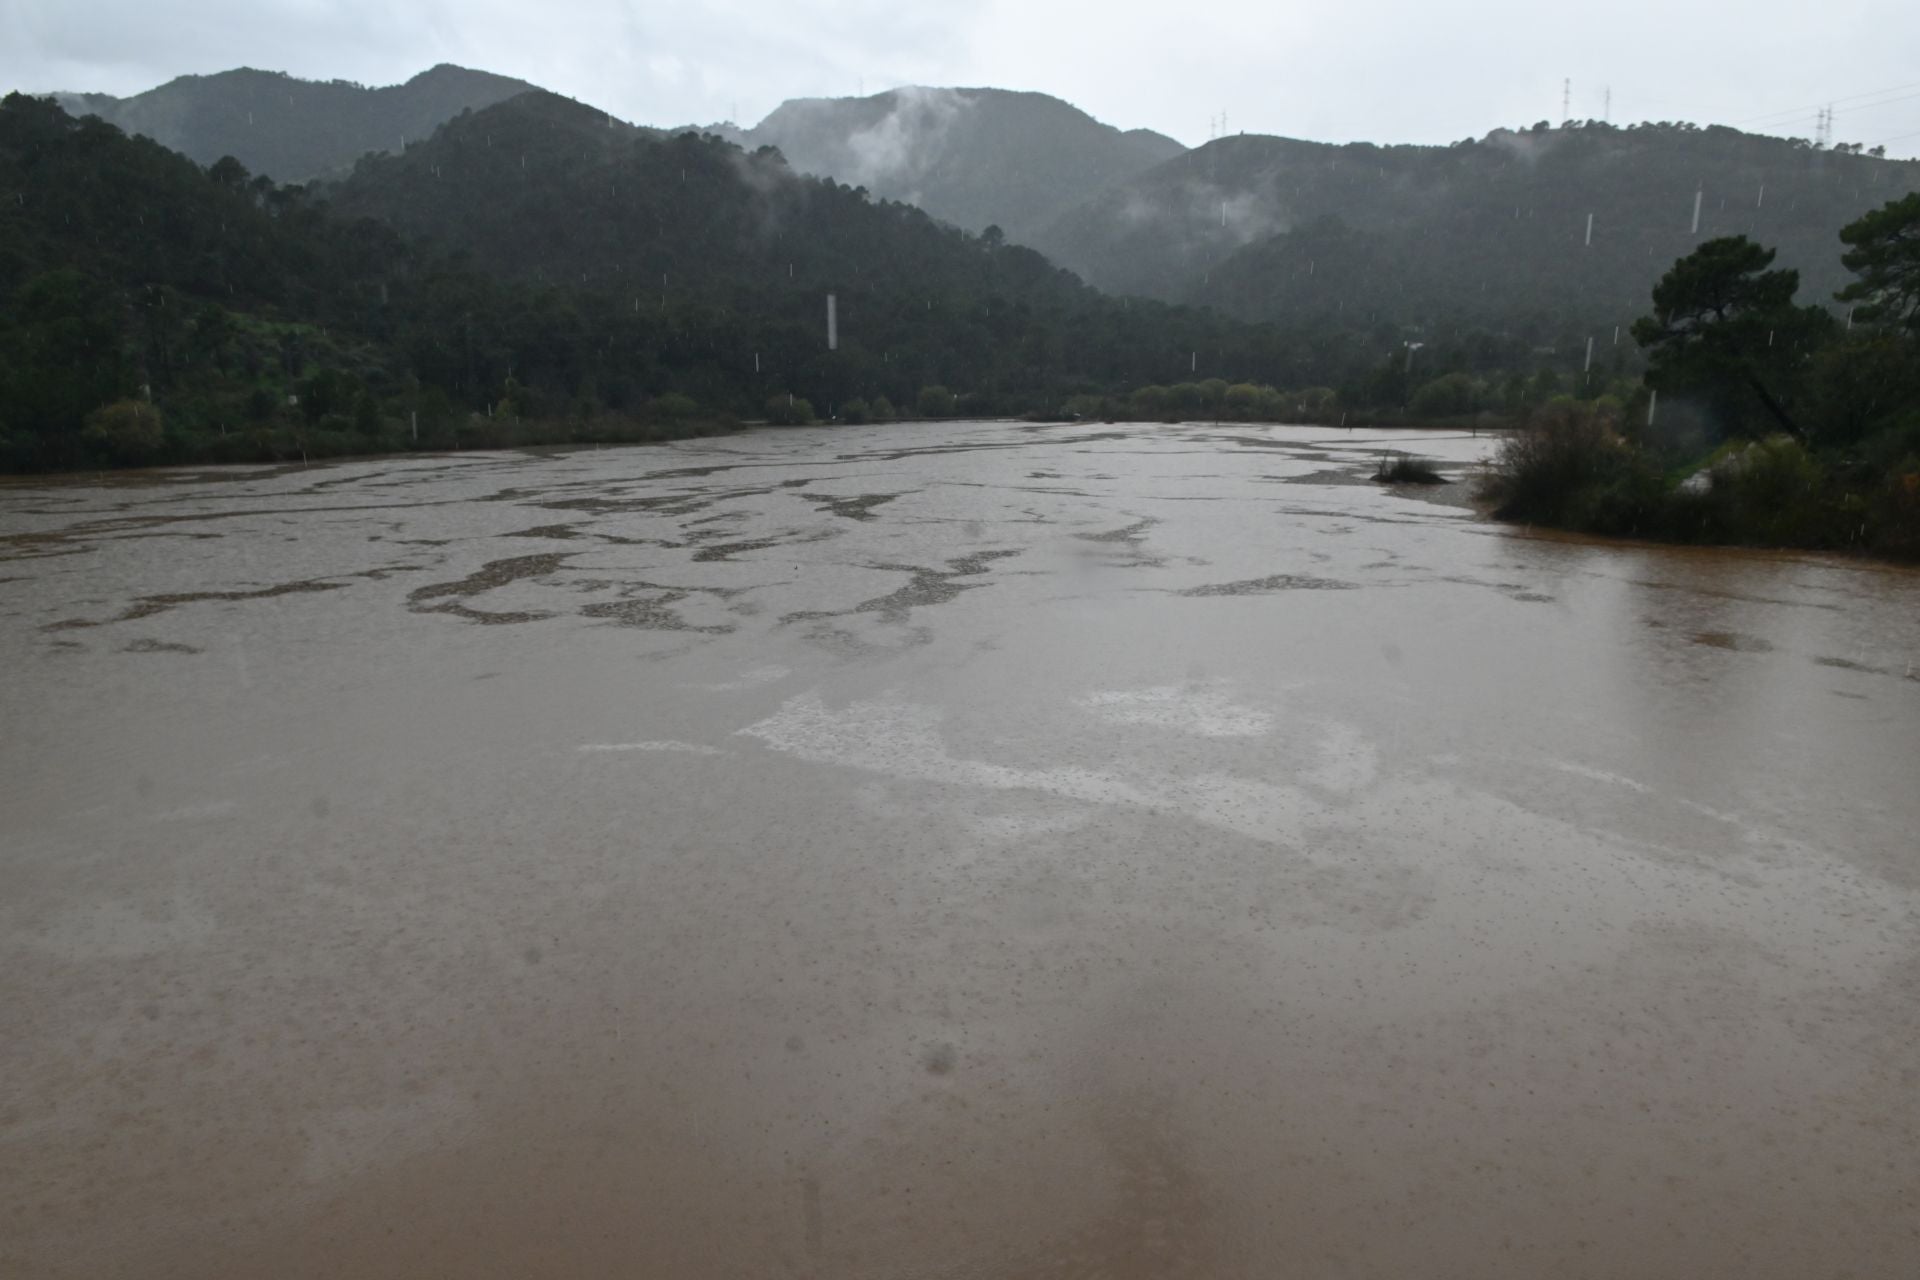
<point>1576,470</point>
<point>133,442</point>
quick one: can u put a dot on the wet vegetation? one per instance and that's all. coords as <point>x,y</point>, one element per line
<point>537,273</point>
<point>1488,238</point>
<point>1406,468</point>
<point>531,274</point>
<point>1763,421</point>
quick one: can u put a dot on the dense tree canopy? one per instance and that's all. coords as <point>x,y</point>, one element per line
<point>537,272</point>
<point>1883,250</point>
<point>1724,325</point>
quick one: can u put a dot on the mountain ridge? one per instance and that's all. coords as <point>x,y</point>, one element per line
<point>292,129</point>
<point>975,157</point>
<point>1486,230</point>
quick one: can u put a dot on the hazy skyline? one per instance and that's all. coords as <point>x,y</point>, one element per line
<point>1378,70</point>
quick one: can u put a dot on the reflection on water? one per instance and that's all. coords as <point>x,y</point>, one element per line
<point>950,850</point>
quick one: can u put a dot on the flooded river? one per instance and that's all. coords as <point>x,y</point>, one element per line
<point>946,851</point>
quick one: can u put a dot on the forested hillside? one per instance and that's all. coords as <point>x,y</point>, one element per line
<point>706,257</point>
<point>531,262</point>
<point>292,129</point>
<point>538,272</point>
<point>1492,233</point>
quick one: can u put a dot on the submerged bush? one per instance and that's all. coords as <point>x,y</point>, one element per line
<point>1406,468</point>
<point>1570,470</point>
<point>1565,467</point>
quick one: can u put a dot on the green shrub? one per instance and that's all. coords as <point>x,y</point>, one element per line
<point>1774,493</point>
<point>127,432</point>
<point>1552,470</point>
<point>1151,402</point>
<point>366,415</point>
<point>1090,407</point>
<point>673,407</point>
<point>935,402</point>
<point>1450,396</point>
<point>1242,399</point>
<point>328,392</point>
<point>1406,468</point>
<point>786,410</point>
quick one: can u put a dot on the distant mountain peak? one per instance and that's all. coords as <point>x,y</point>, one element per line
<point>294,129</point>
<point>973,156</point>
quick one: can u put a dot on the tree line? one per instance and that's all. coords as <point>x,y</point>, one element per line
<point>1763,418</point>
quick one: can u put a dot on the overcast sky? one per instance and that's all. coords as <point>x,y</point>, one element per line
<point>1380,70</point>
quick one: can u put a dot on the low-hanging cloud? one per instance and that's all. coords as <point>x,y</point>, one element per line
<point>908,140</point>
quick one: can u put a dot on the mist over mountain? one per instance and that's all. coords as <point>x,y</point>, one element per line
<point>1487,232</point>
<point>972,157</point>
<point>727,252</point>
<point>534,257</point>
<point>1490,232</point>
<point>290,129</point>
<point>539,253</point>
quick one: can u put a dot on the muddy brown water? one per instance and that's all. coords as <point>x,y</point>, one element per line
<point>967,850</point>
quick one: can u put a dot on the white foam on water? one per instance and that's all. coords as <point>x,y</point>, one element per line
<point>1600,775</point>
<point>751,678</point>
<point>1204,713</point>
<point>685,748</point>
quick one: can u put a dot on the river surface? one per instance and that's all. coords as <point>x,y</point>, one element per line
<point>950,851</point>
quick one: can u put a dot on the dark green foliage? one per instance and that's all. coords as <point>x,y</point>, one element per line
<point>788,410</point>
<point>1884,252</point>
<point>1487,235</point>
<point>685,253</point>
<point>127,432</point>
<point>674,407</point>
<point>1568,467</point>
<point>1725,327</point>
<point>1451,395</point>
<point>535,273</point>
<point>327,393</point>
<point>64,351</point>
<point>1774,493</point>
<point>934,402</point>
<point>1406,468</point>
<point>508,291</point>
<point>1859,383</point>
<point>592,266</point>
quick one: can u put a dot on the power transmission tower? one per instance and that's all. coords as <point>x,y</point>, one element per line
<point>1606,107</point>
<point>1566,100</point>
<point>1823,128</point>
